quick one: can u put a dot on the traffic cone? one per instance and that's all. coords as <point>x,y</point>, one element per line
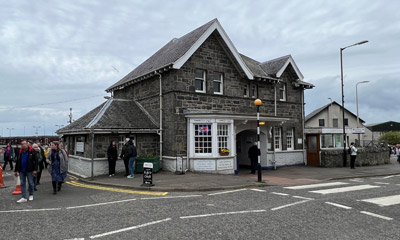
<point>18,187</point>
<point>2,185</point>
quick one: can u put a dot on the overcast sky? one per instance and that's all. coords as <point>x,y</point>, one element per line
<point>53,52</point>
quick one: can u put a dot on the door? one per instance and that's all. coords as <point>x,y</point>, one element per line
<point>313,149</point>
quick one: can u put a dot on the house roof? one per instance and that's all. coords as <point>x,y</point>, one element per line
<point>384,126</point>
<point>176,52</point>
<point>318,110</point>
<point>113,114</point>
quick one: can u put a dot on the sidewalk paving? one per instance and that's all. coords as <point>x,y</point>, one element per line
<point>189,182</point>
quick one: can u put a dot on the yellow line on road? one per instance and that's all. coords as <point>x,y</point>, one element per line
<point>75,183</point>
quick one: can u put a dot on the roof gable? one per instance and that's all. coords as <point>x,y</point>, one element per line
<point>277,67</point>
<point>318,110</point>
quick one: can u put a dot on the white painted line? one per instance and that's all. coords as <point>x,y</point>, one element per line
<point>384,201</point>
<point>317,185</point>
<point>75,239</point>
<point>389,176</point>
<point>281,194</point>
<point>381,183</point>
<point>258,190</point>
<point>338,205</point>
<point>303,198</point>
<point>31,210</point>
<point>356,180</point>
<point>345,189</point>
<point>218,193</point>
<point>170,197</point>
<point>219,214</point>
<point>129,228</point>
<point>100,204</point>
<point>376,215</point>
<point>289,205</point>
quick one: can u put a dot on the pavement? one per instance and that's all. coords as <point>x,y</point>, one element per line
<point>193,182</point>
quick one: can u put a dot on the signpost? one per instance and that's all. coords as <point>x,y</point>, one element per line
<point>147,175</point>
<point>358,130</point>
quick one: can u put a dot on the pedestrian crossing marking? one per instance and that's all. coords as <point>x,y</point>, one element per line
<point>376,215</point>
<point>74,183</point>
<point>382,183</point>
<point>345,189</point>
<point>384,201</point>
<point>317,185</point>
<point>339,205</point>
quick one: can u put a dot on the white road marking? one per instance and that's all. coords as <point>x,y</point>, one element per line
<point>289,205</point>
<point>356,180</point>
<point>169,197</point>
<point>317,185</point>
<point>376,215</point>
<point>303,197</point>
<point>218,193</point>
<point>219,214</point>
<point>281,194</point>
<point>129,228</point>
<point>384,201</point>
<point>338,205</point>
<point>345,189</point>
<point>75,239</point>
<point>381,183</point>
<point>31,210</point>
<point>99,204</point>
<point>389,177</point>
<point>258,190</point>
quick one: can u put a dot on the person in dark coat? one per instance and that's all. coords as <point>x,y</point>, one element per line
<point>125,156</point>
<point>132,159</point>
<point>253,155</point>
<point>8,156</point>
<point>25,168</point>
<point>112,156</point>
<point>42,163</point>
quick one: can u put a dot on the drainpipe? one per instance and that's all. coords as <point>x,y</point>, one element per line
<point>161,118</point>
<point>302,124</point>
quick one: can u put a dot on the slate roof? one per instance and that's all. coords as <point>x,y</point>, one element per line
<point>273,66</point>
<point>255,67</point>
<point>384,126</point>
<point>114,114</point>
<point>318,110</point>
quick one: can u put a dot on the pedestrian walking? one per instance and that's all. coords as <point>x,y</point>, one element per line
<point>58,166</point>
<point>125,156</point>
<point>9,156</point>
<point>353,155</point>
<point>112,155</point>
<point>132,159</point>
<point>65,150</point>
<point>25,168</point>
<point>253,155</point>
<point>46,154</point>
<point>40,159</point>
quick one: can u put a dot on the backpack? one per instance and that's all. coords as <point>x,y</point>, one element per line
<point>349,150</point>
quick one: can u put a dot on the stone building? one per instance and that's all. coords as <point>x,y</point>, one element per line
<point>193,98</point>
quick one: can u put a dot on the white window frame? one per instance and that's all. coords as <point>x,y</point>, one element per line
<point>282,87</point>
<point>253,86</point>
<point>202,79</point>
<point>247,90</point>
<point>290,139</point>
<point>205,136</point>
<point>277,136</point>
<point>223,144</point>
<point>220,81</point>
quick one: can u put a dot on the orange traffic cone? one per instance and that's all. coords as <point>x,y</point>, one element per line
<point>2,185</point>
<point>18,187</point>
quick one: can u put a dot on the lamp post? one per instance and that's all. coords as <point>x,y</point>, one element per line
<point>341,78</point>
<point>358,119</point>
<point>10,130</point>
<point>258,103</point>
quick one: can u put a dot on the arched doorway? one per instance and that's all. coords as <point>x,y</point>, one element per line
<point>244,140</point>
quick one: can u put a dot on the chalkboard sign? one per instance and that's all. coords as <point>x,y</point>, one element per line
<point>147,174</point>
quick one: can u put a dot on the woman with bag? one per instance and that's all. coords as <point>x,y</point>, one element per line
<point>112,155</point>
<point>58,166</point>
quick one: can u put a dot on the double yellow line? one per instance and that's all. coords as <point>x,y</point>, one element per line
<point>77,184</point>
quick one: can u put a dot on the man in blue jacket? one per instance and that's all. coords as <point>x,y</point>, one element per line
<point>26,167</point>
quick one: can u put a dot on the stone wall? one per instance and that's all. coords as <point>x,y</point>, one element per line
<point>365,157</point>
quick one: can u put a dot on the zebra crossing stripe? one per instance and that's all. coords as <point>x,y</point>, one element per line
<point>384,201</point>
<point>345,189</point>
<point>317,185</point>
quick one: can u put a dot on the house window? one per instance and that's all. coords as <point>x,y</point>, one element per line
<point>200,80</point>
<point>253,91</point>
<point>246,91</point>
<point>321,122</point>
<point>282,92</point>
<point>202,138</point>
<point>218,83</point>
<point>346,122</point>
<point>290,139</point>
<point>335,123</point>
<point>223,135</point>
<point>277,138</point>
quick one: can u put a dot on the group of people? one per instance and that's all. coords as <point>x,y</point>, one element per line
<point>31,159</point>
<point>395,150</point>
<point>128,154</point>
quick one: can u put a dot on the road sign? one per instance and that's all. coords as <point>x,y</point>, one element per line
<point>147,174</point>
<point>358,130</point>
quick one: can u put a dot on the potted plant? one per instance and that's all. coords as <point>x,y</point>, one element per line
<point>224,152</point>
<point>147,158</point>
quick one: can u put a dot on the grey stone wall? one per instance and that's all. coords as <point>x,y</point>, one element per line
<point>365,157</point>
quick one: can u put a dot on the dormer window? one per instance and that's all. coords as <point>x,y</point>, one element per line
<point>200,80</point>
<point>282,92</point>
<point>218,83</point>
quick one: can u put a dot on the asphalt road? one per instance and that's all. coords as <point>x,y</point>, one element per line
<point>346,209</point>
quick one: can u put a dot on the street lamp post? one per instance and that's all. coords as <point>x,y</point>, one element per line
<point>341,78</point>
<point>258,103</point>
<point>358,119</point>
<point>10,129</point>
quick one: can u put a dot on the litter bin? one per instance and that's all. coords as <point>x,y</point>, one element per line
<point>140,160</point>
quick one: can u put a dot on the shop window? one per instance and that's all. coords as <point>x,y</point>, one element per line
<point>335,123</point>
<point>290,139</point>
<point>202,138</point>
<point>277,138</point>
<point>218,83</point>
<point>200,80</point>
<point>223,135</point>
<point>321,122</point>
<point>327,141</point>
